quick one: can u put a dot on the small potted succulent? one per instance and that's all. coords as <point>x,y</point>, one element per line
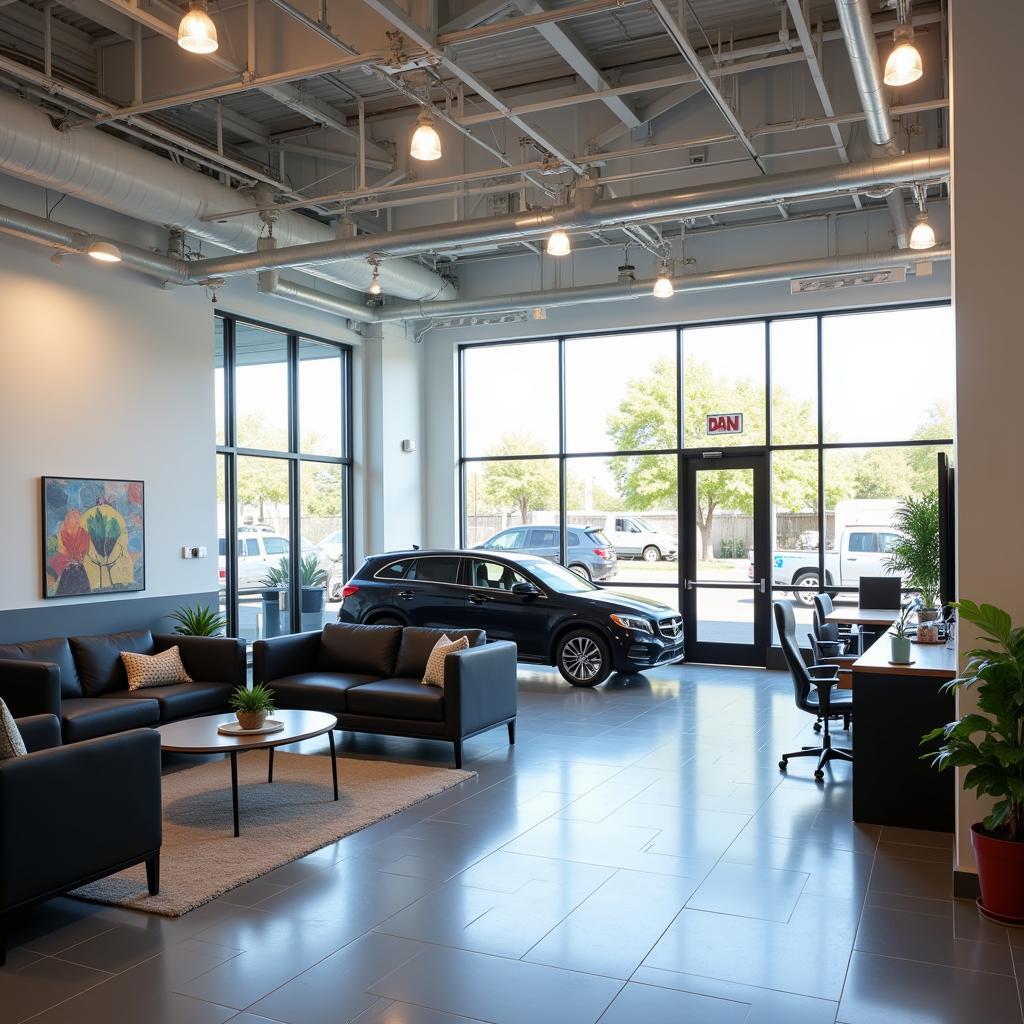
<point>900,638</point>
<point>253,706</point>
<point>990,744</point>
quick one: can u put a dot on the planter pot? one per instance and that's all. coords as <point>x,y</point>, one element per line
<point>900,649</point>
<point>251,719</point>
<point>1001,875</point>
<point>313,600</point>
<point>271,613</point>
<point>927,614</point>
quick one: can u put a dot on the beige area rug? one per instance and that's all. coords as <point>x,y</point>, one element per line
<point>201,858</point>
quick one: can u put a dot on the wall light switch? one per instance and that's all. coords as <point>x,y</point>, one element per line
<point>186,552</point>
<point>200,552</point>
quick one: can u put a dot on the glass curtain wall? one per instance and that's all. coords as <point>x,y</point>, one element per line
<point>586,434</point>
<point>282,405</point>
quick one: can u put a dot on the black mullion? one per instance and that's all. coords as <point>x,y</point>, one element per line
<point>461,371</point>
<point>294,495</point>
<point>230,483</point>
<point>563,511</point>
<point>822,531</point>
<point>682,565</point>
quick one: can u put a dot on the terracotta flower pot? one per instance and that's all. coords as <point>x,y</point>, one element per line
<point>251,719</point>
<point>1001,875</point>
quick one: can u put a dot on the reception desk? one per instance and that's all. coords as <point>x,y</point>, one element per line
<point>894,706</point>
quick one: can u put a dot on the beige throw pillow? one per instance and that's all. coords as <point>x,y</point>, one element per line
<point>11,743</point>
<point>434,674</point>
<point>154,669</point>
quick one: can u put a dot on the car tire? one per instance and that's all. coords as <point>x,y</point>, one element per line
<point>807,578</point>
<point>583,659</point>
<point>385,620</point>
<point>582,570</point>
<point>651,554</point>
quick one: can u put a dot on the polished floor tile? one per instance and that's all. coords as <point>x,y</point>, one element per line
<point>636,857</point>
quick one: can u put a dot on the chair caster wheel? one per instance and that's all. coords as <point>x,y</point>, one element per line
<point>819,774</point>
<point>783,765</point>
<point>817,726</point>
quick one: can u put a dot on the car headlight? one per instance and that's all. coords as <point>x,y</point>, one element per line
<point>633,622</point>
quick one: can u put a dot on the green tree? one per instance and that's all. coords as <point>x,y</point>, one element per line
<point>522,485</point>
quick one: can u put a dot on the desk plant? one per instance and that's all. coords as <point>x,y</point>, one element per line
<point>990,744</point>
<point>253,706</point>
<point>915,555</point>
<point>900,634</point>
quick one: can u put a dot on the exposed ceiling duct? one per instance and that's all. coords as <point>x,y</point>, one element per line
<point>859,36</point>
<point>98,168</point>
<point>588,213</point>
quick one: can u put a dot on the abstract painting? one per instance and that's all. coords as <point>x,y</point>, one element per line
<point>94,537</point>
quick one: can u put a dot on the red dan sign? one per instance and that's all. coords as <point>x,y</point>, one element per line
<point>725,423</point>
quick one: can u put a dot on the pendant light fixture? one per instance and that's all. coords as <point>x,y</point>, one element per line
<point>923,234</point>
<point>904,63</point>
<point>104,252</point>
<point>558,243</point>
<point>375,288</point>
<point>426,143</point>
<point>196,31</point>
<point>663,288</point>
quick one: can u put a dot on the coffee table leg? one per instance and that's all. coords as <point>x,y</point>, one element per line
<point>270,767</point>
<point>334,763</point>
<point>234,788</point>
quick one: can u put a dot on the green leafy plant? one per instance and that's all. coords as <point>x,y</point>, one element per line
<point>915,554</point>
<point>311,573</point>
<point>899,627</point>
<point>199,621</point>
<point>259,699</point>
<point>990,742</point>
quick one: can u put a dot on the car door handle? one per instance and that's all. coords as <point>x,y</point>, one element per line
<point>850,558</point>
<point>406,595</point>
<point>479,598</point>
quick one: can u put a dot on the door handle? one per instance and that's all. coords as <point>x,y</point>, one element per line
<point>479,598</point>
<point>406,595</point>
<point>763,585</point>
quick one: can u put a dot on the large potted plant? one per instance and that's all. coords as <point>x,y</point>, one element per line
<point>312,579</point>
<point>990,744</point>
<point>915,555</point>
<point>199,621</point>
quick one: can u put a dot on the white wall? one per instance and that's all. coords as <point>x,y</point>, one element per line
<point>987,222</point>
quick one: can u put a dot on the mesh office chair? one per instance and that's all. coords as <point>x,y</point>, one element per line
<point>832,645</point>
<point>813,690</point>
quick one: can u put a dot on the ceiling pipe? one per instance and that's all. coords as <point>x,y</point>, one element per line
<point>585,214</point>
<point>615,291</point>
<point>101,169</point>
<point>859,36</point>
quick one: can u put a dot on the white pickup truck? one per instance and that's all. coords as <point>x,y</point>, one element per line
<point>863,541</point>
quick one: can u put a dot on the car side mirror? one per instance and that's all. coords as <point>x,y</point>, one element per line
<point>525,590</point>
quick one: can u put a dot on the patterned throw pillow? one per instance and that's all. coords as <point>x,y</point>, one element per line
<point>11,743</point>
<point>154,669</point>
<point>434,674</point>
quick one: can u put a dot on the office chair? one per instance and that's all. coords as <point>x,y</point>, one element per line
<point>880,592</point>
<point>813,692</point>
<point>831,645</point>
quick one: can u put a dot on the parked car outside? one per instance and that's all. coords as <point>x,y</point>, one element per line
<point>590,553</point>
<point>554,616</point>
<point>259,550</point>
<point>634,537</point>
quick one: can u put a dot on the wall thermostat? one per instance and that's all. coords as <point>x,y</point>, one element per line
<point>408,445</point>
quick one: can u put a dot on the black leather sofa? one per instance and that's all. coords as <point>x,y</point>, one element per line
<point>81,680</point>
<point>72,814</point>
<point>369,676</point>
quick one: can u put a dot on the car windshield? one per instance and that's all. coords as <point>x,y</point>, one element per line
<point>560,579</point>
<point>644,525</point>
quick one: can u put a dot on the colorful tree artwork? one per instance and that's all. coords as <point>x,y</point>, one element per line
<point>93,536</point>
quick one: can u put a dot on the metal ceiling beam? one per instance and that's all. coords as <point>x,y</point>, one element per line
<point>479,14</point>
<point>102,14</point>
<point>575,55</point>
<point>648,113</point>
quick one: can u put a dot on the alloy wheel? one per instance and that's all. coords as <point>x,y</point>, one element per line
<point>582,658</point>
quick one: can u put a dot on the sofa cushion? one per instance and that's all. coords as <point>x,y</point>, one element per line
<point>397,698</point>
<point>84,718</point>
<point>434,673</point>
<point>57,652</point>
<point>316,691</point>
<point>418,642</point>
<point>98,659</point>
<point>367,650</point>
<point>146,670</point>
<point>11,742</point>
<point>179,700</point>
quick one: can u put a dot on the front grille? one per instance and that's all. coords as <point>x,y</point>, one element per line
<point>671,628</point>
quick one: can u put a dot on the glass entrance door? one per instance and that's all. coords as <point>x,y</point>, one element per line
<point>725,573</point>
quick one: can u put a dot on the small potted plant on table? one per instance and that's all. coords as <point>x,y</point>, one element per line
<point>253,706</point>
<point>990,744</point>
<point>900,638</point>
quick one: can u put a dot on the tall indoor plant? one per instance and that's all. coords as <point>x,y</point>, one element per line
<point>990,744</point>
<point>915,555</point>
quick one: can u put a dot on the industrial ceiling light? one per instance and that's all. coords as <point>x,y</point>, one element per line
<point>558,243</point>
<point>923,235</point>
<point>904,63</point>
<point>196,31</point>
<point>375,288</point>
<point>104,252</point>
<point>426,143</point>
<point>663,288</point>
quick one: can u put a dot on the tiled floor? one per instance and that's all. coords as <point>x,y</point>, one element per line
<point>636,859</point>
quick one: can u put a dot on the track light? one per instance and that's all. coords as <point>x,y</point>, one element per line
<point>923,235</point>
<point>426,143</point>
<point>375,288</point>
<point>196,31</point>
<point>663,288</point>
<point>904,63</point>
<point>104,252</point>
<point>558,243</point>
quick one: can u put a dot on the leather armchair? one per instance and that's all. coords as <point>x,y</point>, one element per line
<point>72,814</point>
<point>30,687</point>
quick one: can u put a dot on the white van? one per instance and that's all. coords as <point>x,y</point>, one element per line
<point>634,537</point>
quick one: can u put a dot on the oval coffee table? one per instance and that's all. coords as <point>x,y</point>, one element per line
<point>200,736</point>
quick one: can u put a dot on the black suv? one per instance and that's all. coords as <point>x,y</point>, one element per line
<point>554,615</point>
